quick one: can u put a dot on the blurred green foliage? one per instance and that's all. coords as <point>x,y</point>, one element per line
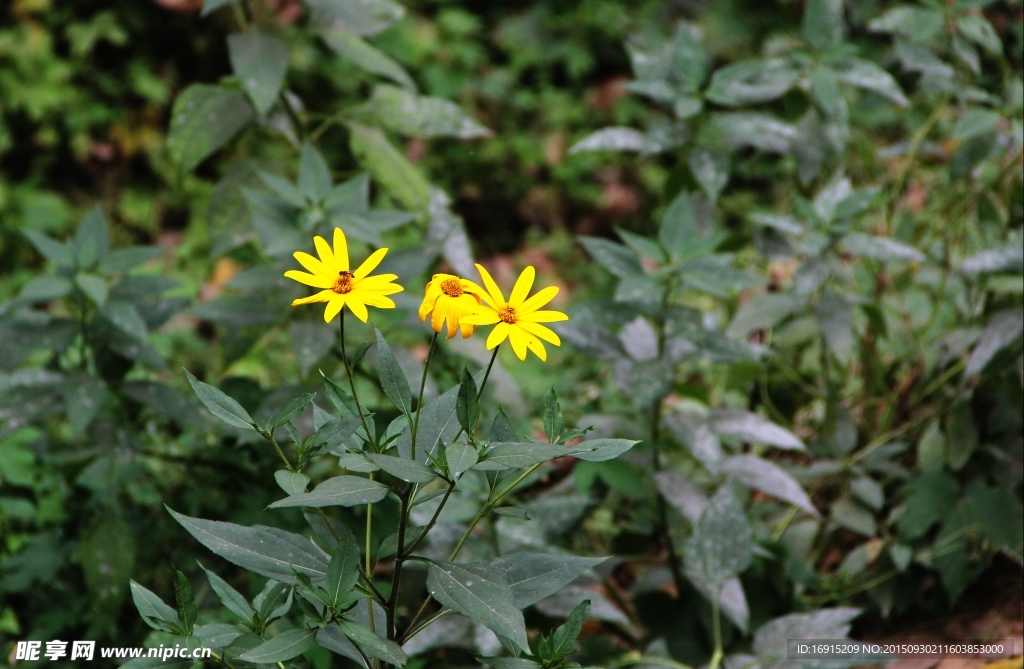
<point>789,235</point>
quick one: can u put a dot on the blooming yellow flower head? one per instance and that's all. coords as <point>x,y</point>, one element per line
<point>343,288</point>
<point>518,319</point>
<point>448,299</point>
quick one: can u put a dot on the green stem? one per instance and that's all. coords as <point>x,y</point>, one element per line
<point>293,116</point>
<point>277,447</point>
<point>350,375</point>
<point>716,622</point>
<point>396,577</point>
<point>483,384</point>
<point>433,521</point>
<point>419,397</point>
<point>487,509</point>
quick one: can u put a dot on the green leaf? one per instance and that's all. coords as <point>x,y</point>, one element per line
<point>186,603</point>
<point>554,424</point>
<point>509,663</point>
<point>372,645</point>
<point>467,406</point>
<point>854,517</point>
<point>212,5</point>
<point>392,378</point>
<point>880,248</point>
<point>337,491</point>
<point>107,554</point>
<point>94,287</point>
<point>501,456</point>
<point>293,483</point>
<point>389,167</point>
<point>405,112</point>
<point>564,638</point>
<point>678,226</point>
<point>334,640</point>
<point>403,468</point>
<point>751,427</point>
<point>92,242</point>
<point>1003,329</point>
<point>364,56</point>
<point>480,592</point>
<point>769,478</point>
<point>710,168</point>
<point>292,409</point>
<point>84,396</point>
<point>228,596</point>
<point>722,543</point>
<point>366,17</point>
<point>152,608</point>
<point>760,312</point>
<point>311,341</point>
<point>534,576</point>
<point>737,130</point>
<point>600,450</point>
<point>283,647</point>
<point>220,405</point>
<point>265,550</point>
<point>205,118</point>
<point>44,289</point>
<point>501,427</point>
<point>644,246</point>
<point>823,23</point>
<point>976,28</point>
<point>314,174</point>
<point>460,457</point>
<point>438,425</point>
<point>771,639</point>
<point>343,569</point>
<point>751,81</point>
<point>869,76</point>
<point>930,497</point>
<point>616,258</point>
<point>260,63</point>
<point>961,433</point>
<point>125,317</point>
<point>57,253</point>
<point>976,122</point>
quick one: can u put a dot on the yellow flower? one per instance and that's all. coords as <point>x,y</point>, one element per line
<point>518,319</point>
<point>354,290</point>
<point>449,299</point>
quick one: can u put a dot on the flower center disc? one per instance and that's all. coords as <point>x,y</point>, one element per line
<point>452,287</point>
<point>343,284</point>
<point>507,315</point>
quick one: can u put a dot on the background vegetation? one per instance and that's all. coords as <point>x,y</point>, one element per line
<point>788,235</point>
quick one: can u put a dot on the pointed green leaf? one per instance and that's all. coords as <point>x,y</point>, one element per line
<point>260,63</point>
<point>553,422</point>
<point>392,378</point>
<point>228,596</point>
<point>293,409</point>
<point>343,569</point>
<point>220,405</point>
<point>92,242</point>
<point>187,611</point>
<point>95,288</point>
<point>467,406</point>
<point>203,119</point>
<point>372,645</point>
<point>460,457</point>
<point>479,592</point>
<point>337,491</point>
<point>402,468</point>
<point>564,638</point>
<point>283,647</point>
<point>151,607</point>
<point>293,483</point>
<point>534,576</point>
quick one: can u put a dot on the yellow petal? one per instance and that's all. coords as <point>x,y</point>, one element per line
<point>473,288</point>
<point>309,279</point>
<point>370,263</point>
<point>376,300</point>
<point>538,348</point>
<point>322,296</point>
<point>493,292</point>
<point>381,289</point>
<point>497,335</point>
<point>323,249</point>
<point>466,330</point>
<point>340,250</point>
<point>429,298</point>
<point>357,308</point>
<point>481,318</point>
<point>537,301</point>
<point>314,265</point>
<point>523,285</point>
<point>540,331</point>
<point>543,317</point>
<point>518,339</point>
<point>334,306</point>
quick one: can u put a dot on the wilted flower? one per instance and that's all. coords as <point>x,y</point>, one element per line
<point>449,299</point>
<point>343,288</point>
<point>518,319</point>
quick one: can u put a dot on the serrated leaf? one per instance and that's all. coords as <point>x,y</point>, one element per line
<point>268,551</point>
<point>479,592</point>
<point>186,603</point>
<point>403,468</point>
<point>769,478</point>
<point>205,118</point>
<point>337,491</point>
<point>220,405</point>
<point>283,647</point>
